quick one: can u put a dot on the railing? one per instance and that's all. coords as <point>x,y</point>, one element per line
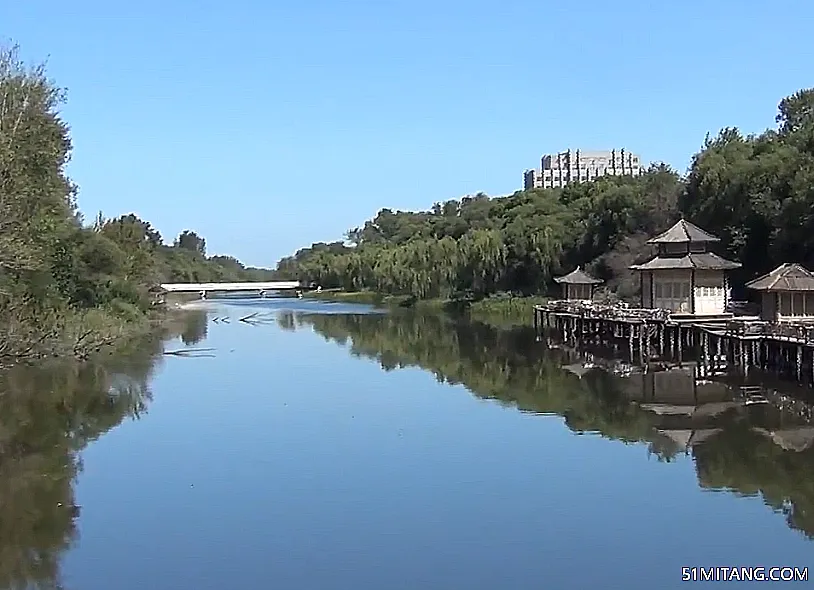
<point>593,310</point>
<point>796,331</point>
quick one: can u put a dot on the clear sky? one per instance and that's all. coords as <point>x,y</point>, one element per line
<point>267,125</point>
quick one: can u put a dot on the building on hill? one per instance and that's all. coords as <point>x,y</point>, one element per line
<point>685,277</point>
<point>558,170</point>
<point>787,293</point>
<point>578,285</point>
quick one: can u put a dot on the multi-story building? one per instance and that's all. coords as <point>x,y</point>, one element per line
<point>560,169</point>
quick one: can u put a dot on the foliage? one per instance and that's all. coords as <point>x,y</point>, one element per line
<point>480,246</point>
<point>755,192</point>
<point>66,288</point>
<point>189,240</point>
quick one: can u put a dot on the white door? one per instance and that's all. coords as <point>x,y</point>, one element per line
<point>708,300</point>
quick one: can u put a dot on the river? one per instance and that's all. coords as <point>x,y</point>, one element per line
<point>326,446</point>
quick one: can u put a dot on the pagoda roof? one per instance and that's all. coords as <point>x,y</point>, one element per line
<point>791,439</point>
<point>577,277</point>
<point>694,260</point>
<point>580,370</point>
<point>682,232</point>
<point>690,438</point>
<point>786,277</point>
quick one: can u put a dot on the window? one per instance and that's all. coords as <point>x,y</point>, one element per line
<point>785,303</point>
<point>673,248</point>
<point>797,302</point>
<point>579,291</point>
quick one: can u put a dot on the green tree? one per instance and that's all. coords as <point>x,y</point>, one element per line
<point>189,240</point>
<point>66,288</point>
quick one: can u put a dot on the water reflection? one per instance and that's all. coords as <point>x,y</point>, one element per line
<point>195,328</point>
<point>743,440</point>
<point>48,414</point>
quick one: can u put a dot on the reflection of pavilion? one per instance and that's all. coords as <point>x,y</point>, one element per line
<point>791,439</point>
<point>686,409</point>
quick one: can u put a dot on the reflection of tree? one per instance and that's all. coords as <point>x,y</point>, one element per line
<point>510,367</point>
<point>286,321</point>
<point>507,366</point>
<point>195,329</point>
<point>747,462</point>
<point>48,414</point>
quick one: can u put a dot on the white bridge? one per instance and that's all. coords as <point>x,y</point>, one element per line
<point>203,288</point>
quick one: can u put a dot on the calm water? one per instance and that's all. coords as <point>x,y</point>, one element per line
<point>322,447</point>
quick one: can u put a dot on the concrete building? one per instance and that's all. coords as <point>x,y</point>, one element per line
<point>558,170</point>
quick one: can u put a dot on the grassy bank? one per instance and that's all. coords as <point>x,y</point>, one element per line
<point>499,310</point>
<point>505,311</point>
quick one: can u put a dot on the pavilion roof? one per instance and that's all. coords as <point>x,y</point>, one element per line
<point>693,260</point>
<point>786,277</point>
<point>578,277</point>
<point>682,232</point>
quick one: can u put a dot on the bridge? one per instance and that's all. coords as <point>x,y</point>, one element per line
<point>204,288</point>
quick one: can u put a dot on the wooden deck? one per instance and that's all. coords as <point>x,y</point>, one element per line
<point>721,340</point>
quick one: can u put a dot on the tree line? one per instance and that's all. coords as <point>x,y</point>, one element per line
<point>67,287</point>
<point>753,191</point>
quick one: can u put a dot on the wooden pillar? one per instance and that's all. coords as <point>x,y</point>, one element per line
<point>641,342</point>
<point>747,351</point>
<point>705,348</point>
<point>692,291</point>
<point>661,328</point>
<point>679,342</point>
<point>718,353</point>
<point>799,362</point>
<point>641,288</point>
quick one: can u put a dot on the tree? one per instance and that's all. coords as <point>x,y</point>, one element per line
<point>65,288</point>
<point>189,240</point>
<point>796,112</point>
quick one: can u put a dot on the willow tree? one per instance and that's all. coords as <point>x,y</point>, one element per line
<point>484,255</point>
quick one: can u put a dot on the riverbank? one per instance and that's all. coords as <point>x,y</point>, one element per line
<point>498,310</point>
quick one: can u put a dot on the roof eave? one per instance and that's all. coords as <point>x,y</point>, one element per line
<point>658,240</point>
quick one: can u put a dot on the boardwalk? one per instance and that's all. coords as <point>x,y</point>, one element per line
<point>719,342</point>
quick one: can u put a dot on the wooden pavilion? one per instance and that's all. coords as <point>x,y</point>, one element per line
<point>787,293</point>
<point>685,277</point>
<point>578,285</point>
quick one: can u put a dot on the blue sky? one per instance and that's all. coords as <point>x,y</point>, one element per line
<point>267,125</point>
